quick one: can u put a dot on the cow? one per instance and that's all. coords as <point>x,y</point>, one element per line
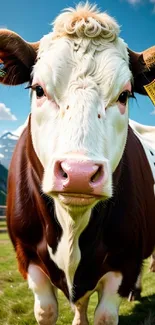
<point>81,205</point>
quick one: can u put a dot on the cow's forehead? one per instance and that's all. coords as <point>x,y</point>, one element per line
<point>64,61</point>
<point>84,43</point>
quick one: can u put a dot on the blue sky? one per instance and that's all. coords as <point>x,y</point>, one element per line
<point>32,20</point>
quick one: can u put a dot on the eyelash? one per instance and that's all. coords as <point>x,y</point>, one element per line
<point>39,90</point>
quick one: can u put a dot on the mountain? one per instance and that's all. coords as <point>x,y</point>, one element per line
<point>7,144</point>
<point>3,184</point>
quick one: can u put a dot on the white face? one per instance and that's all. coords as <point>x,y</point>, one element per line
<point>80,114</point>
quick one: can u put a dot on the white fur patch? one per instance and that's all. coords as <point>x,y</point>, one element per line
<point>83,67</point>
<point>83,77</point>
<point>45,306</point>
<point>109,299</point>
<point>85,21</point>
<point>68,255</point>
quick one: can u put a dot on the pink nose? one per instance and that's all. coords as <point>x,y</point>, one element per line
<point>83,177</point>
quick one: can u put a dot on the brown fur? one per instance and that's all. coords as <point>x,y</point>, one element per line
<point>118,237</point>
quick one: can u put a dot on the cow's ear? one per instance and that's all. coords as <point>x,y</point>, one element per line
<point>142,66</point>
<point>16,58</point>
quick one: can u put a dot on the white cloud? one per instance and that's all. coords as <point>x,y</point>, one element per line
<point>5,113</point>
<point>134,2</point>
<point>16,132</point>
<point>20,129</point>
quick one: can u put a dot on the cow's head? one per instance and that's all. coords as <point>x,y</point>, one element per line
<point>81,76</point>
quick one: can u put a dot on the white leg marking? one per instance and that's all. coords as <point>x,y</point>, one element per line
<point>45,306</point>
<point>109,300</point>
<point>80,309</point>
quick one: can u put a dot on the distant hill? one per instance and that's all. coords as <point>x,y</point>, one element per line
<point>3,184</point>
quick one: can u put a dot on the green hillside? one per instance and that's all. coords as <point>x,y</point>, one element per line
<point>3,184</point>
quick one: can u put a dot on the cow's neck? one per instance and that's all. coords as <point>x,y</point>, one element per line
<point>68,255</point>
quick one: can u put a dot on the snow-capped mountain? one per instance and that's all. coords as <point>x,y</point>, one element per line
<point>8,142</point>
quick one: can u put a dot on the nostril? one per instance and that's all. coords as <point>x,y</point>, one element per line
<point>97,175</point>
<point>62,172</point>
<point>64,175</point>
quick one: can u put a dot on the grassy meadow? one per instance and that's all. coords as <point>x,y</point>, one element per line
<point>16,300</point>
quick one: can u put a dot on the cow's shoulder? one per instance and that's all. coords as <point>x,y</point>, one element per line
<point>23,215</point>
<point>146,136</point>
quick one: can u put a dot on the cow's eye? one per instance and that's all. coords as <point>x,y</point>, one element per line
<point>39,91</point>
<point>123,97</point>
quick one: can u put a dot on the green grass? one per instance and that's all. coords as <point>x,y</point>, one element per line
<point>4,237</point>
<point>16,300</point>
<point>3,224</point>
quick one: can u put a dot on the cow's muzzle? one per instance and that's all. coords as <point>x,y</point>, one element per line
<point>79,177</point>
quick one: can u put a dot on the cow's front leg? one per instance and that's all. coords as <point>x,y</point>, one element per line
<point>45,305</point>
<point>109,300</point>
<point>80,309</point>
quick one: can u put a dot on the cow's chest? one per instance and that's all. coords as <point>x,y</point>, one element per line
<point>67,255</point>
